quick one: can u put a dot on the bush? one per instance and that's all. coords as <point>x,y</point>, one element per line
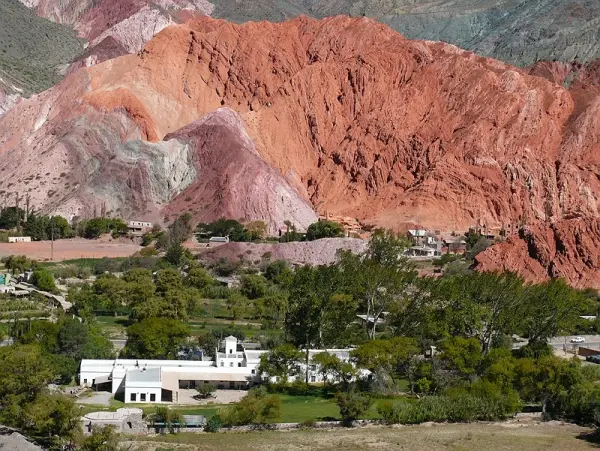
<point>352,406</point>
<point>213,424</point>
<point>43,280</point>
<point>256,408</point>
<point>308,424</point>
<point>206,390</point>
<point>324,229</point>
<point>455,409</point>
<point>216,292</point>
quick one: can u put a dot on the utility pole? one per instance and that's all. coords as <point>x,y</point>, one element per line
<point>52,239</point>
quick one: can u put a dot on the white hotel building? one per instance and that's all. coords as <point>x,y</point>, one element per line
<point>149,381</point>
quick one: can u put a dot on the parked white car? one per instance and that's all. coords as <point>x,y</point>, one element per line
<point>577,340</point>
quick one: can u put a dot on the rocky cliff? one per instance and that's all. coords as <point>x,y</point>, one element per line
<point>567,249</point>
<point>344,113</point>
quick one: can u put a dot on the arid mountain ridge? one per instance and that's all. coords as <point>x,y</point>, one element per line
<point>273,121</point>
<point>519,32</point>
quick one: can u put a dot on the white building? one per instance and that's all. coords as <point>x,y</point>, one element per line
<point>19,239</point>
<point>139,226</point>
<point>149,381</point>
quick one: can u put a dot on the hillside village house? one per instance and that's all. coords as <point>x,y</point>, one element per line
<point>150,381</point>
<point>139,226</point>
<point>424,244</point>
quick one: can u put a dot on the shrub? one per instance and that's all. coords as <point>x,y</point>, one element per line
<point>308,424</point>
<point>456,409</point>
<point>206,390</point>
<point>43,280</point>
<point>352,406</point>
<point>65,272</point>
<point>324,229</point>
<point>213,424</point>
<point>256,408</point>
<point>216,292</point>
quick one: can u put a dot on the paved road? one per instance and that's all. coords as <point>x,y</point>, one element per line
<point>591,341</point>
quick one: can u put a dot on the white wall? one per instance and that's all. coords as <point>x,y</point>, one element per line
<point>138,391</point>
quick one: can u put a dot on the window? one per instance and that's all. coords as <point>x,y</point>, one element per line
<point>253,371</point>
<point>133,397</point>
<point>231,351</point>
<point>313,367</point>
<point>143,397</point>
<point>230,363</point>
<point>313,379</point>
<point>85,381</point>
<point>222,363</point>
<point>206,382</point>
<point>152,397</point>
<point>239,364</point>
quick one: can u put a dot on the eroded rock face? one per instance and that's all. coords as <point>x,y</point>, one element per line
<point>568,249</point>
<point>360,121</point>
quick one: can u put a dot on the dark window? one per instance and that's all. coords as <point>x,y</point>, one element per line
<point>133,397</point>
<point>313,378</point>
<point>253,371</point>
<point>142,397</point>
<point>152,397</point>
<point>85,381</point>
<point>239,364</point>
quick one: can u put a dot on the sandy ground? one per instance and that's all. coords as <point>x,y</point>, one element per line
<point>427,437</point>
<point>70,249</point>
<point>100,398</point>
<point>186,397</point>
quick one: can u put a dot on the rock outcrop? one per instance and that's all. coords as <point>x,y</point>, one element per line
<point>360,121</point>
<point>568,249</point>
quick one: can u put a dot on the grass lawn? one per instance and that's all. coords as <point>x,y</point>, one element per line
<point>294,409</point>
<point>442,437</point>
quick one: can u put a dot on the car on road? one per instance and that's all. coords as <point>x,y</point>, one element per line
<point>577,340</point>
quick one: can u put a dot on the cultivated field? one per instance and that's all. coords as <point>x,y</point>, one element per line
<point>443,437</point>
<point>70,249</point>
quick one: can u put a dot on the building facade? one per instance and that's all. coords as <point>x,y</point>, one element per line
<point>159,381</point>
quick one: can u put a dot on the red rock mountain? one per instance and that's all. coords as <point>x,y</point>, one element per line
<point>343,114</point>
<point>568,249</point>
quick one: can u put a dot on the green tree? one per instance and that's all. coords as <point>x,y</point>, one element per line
<point>102,439</point>
<point>551,307</point>
<point>111,292</point>
<point>198,278</point>
<point>18,263</point>
<point>379,278</point>
<point>44,280</point>
<point>253,286</point>
<point>484,305</point>
<point>279,272</point>
<point>324,229</point>
<point>463,355</point>
<point>331,366</point>
<point>394,356</point>
<point>155,338</point>
<point>72,338</point>
<point>206,390</point>
<point>282,362</point>
<point>52,417</point>
<point>353,406</point>
<point>257,408</point>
